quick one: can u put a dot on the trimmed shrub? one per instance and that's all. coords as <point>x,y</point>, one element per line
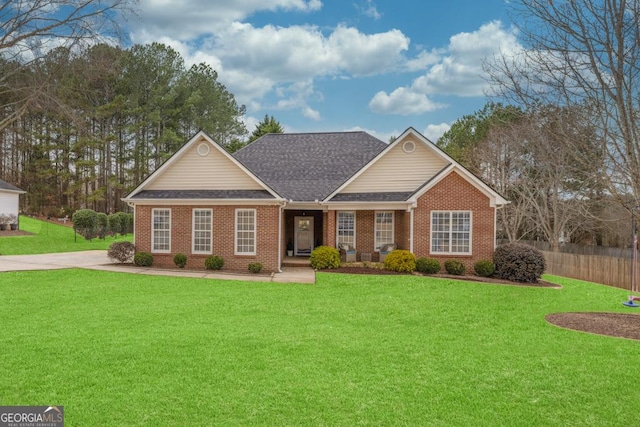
<point>180,260</point>
<point>255,267</point>
<point>85,223</point>
<point>103,224</point>
<point>427,265</point>
<point>143,259</point>
<point>119,223</point>
<point>121,251</point>
<point>401,261</point>
<point>213,262</point>
<point>519,262</point>
<point>324,257</point>
<point>454,267</point>
<point>128,225</point>
<point>484,268</point>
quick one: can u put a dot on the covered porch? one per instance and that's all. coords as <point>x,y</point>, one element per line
<point>303,230</point>
<point>366,229</point>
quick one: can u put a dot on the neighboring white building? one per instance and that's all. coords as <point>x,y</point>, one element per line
<point>9,198</point>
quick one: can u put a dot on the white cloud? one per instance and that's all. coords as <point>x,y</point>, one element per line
<point>434,132</point>
<point>402,101</point>
<point>185,20</point>
<point>460,72</point>
<point>250,122</point>
<point>369,9</point>
<point>456,70</point>
<point>310,113</point>
<point>301,52</point>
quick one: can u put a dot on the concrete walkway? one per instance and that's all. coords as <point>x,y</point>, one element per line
<point>98,260</point>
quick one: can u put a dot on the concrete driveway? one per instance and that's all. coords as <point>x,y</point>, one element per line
<point>98,260</point>
<point>84,259</point>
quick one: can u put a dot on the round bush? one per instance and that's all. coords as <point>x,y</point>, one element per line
<point>255,267</point>
<point>103,224</point>
<point>143,259</point>
<point>519,262</point>
<point>324,257</point>
<point>119,222</point>
<point>401,261</point>
<point>484,268</point>
<point>454,267</point>
<point>121,251</point>
<point>427,265</point>
<point>180,260</point>
<point>85,222</point>
<point>213,262</point>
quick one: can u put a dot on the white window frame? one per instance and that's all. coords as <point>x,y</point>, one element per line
<point>153,231</point>
<point>378,243</point>
<point>193,231</point>
<point>338,237</point>
<point>255,233</point>
<point>450,232</point>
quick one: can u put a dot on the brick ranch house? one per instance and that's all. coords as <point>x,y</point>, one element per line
<point>305,190</point>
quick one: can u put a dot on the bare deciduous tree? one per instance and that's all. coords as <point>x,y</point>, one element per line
<point>29,29</point>
<point>582,53</point>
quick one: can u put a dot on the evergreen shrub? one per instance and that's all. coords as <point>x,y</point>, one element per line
<point>519,262</point>
<point>400,260</point>
<point>324,257</point>
<point>427,265</point>
<point>143,259</point>
<point>213,262</point>
<point>484,268</point>
<point>454,267</point>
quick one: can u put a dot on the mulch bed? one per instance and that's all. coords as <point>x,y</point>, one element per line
<point>611,324</point>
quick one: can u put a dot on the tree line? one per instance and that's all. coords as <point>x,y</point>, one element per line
<point>105,118</point>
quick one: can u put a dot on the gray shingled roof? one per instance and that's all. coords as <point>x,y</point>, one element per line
<point>6,186</point>
<point>372,197</point>
<point>308,166</point>
<point>203,194</point>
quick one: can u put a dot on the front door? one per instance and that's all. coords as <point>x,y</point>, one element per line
<point>303,233</point>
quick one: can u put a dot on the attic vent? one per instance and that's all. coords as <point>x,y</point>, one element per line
<point>203,149</point>
<point>409,147</point>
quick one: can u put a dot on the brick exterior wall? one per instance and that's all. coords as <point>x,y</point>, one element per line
<point>223,236</point>
<point>455,193</point>
<point>365,231</point>
<point>452,193</point>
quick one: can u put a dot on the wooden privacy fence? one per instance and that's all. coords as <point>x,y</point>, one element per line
<point>612,271</point>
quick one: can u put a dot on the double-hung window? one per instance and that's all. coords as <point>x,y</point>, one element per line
<point>346,228</point>
<point>245,232</point>
<point>384,229</point>
<point>202,231</point>
<point>451,232</point>
<point>161,230</point>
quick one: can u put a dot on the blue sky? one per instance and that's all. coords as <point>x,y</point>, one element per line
<point>328,65</point>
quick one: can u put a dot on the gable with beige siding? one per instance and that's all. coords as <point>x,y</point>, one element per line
<point>399,169</point>
<point>194,171</point>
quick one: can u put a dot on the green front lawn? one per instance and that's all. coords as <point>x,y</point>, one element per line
<point>49,238</point>
<point>119,349</point>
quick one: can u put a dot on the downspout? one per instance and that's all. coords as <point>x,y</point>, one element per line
<point>495,226</point>
<point>133,205</point>
<point>280,209</point>
<point>411,229</point>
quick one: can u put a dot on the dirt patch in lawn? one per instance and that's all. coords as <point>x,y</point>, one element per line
<point>611,324</point>
<point>469,278</point>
